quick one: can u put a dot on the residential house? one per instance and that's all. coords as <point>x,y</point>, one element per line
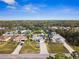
<point>38,37</point>
<point>58,38</point>
<point>19,38</point>
<point>10,33</point>
<point>25,31</point>
<point>4,38</point>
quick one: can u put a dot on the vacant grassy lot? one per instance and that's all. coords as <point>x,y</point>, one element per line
<point>8,47</point>
<point>56,48</point>
<point>30,47</point>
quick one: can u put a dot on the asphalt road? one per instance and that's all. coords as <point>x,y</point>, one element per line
<point>23,56</point>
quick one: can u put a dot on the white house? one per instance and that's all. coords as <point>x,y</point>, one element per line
<point>53,33</point>
<point>25,31</point>
<point>10,34</point>
<point>65,28</point>
<point>38,37</point>
<point>2,28</point>
<point>54,27</point>
<point>58,38</point>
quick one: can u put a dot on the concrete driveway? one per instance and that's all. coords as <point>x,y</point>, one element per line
<point>20,45</point>
<point>43,48</point>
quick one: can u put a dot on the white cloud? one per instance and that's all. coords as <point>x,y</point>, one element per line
<point>12,4</point>
<point>31,8</point>
<point>9,1</point>
<point>11,7</point>
<point>67,10</point>
<point>70,11</point>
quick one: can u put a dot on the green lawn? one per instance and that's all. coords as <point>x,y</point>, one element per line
<point>76,48</point>
<point>8,47</point>
<point>56,48</point>
<point>1,43</point>
<point>30,47</point>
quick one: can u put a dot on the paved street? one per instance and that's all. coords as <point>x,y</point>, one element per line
<point>23,56</point>
<point>27,56</point>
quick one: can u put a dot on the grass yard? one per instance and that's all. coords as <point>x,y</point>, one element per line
<point>56,48</point>
<point>76,48</point>
<point>30,47</point>
<point>1,43</point>
<point>8,47</point>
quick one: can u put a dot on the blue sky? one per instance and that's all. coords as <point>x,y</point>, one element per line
<point>39,9</point>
